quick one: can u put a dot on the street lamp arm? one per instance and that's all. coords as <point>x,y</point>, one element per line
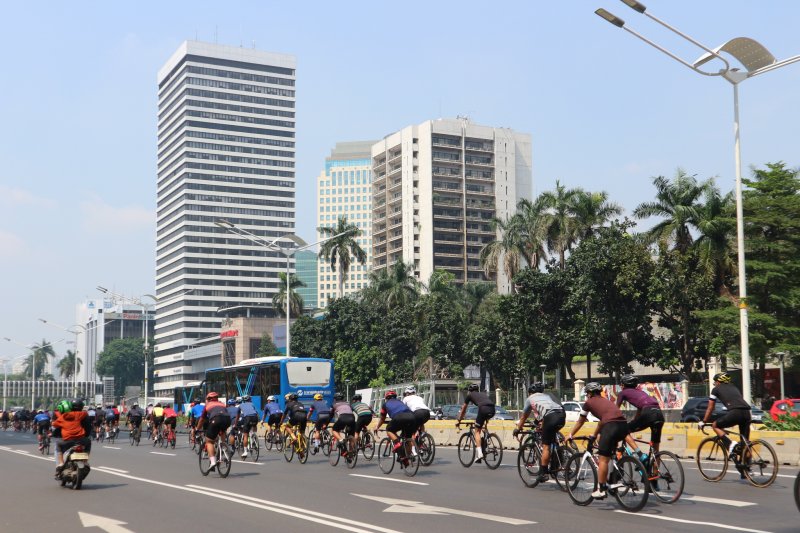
<point>325,239</point>
<point>679,59</point>
<point>774,66</point>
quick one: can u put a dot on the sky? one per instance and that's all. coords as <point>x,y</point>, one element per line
<point>605,111</point>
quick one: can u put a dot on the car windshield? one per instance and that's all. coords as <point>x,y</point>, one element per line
<point>500,410</point>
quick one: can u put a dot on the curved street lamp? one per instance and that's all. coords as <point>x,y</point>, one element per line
<point>77,350</point>
<point>33,364</point>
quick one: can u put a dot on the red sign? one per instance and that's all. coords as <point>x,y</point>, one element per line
<point>229,333</point>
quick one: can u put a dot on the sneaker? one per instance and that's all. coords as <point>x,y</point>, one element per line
<point>599,494</point>
<point>244,455</point>
<point>212,467</point>
<point>314,450</point>
<point>397,446</point>
<point>542,477</point>
<point>479,460</point>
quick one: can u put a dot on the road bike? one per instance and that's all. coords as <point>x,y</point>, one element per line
<point>158,438</point>
<point>529,458</point>
<point>113,433</point>
<point>426,447</point>
<point>295,445</point>
<point>406,455</point>
<point>324,439</point>
<point>366,444</point>
<point>44,446</point>
<point>135,435</point>
<point>273,437</point>
<point>755,460</point>
<point>347,449</point>
<point>253,446</point>
<point>223,466</point>
<point>199,441</point>
<point>491,445</point>
<point>664,472</point>
<point>627,480</point>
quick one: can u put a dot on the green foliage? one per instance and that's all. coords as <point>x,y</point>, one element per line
<point>360,366</point>
<point>40,353</point>
<point>785,422</point>
<point>267,348</point>
<point>340,248</point>
<point>295,300</point>
<point>124,360</point>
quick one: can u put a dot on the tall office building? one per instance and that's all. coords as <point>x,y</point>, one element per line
<point>344,189</point>
<point>226,149</point>
<point>306,262</point>
<point>437,186</point>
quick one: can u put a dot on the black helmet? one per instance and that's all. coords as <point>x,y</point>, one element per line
<point>593,386</point>
<point>77,404</point>
<point>629,380</point>
<point>473,387</point>
<point>536,387</point>
<point>356,398</point>
<point>294,396</point>
<point>338,396</point>
<point>722,377</point>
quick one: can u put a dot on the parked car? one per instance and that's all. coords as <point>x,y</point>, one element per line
<point>573,411</point>
<point>450,412</point>
<point>787,405</point>
<point>695,409</point>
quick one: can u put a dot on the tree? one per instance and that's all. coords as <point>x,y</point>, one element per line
<point>123,359</point>
<point>295,300</point>
<point>394,286</point>
<point>66,367</point>
<point>562,230</point>
<point>338,250</point>
<point>510,247</point>
<point>40,353</point>
<point>308,338</point>
<point>267,348</point>
<point>440,327</point>
<point>532,219</point>
<point>592,210</point>
<point>716,242</point>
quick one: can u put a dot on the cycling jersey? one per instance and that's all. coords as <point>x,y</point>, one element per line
<point>362,409</point>
<point>42,417</point>
<point>342,408</point>
<point>320,407</point>
<point>394,407</point>
<point>248,409</point>
<point>212,409</point>
<point>136,412</point>
<point>637,398</point>
<point>169,412</point>
<point>478,398</point>
<point>233,412</point>
<point>271,409</point>
<point>602,409</point>
<point>158,412</point>
<point>541,404</point>
<point>294,407</point>
<point>415,402</point>
<point>729,395</point>
<point>197,410</point>
<point>110,414</point>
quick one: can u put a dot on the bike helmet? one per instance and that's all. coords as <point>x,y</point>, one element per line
<point>270,398</point>
<point>389,394</point>
<point>64,406</point>
<point>39,411</point>
<point>135,406</point>
<point>411,389</point>
<point>536,387</point>
<point>473,387</point>
<point>210,396</point>
<point>197,400</point>
<point>356,398</point>
<point>77,404</point>
<point>722,377</point>
<point>593,386</point>
<point>246,398</point>
<point>157,405</point>
<point>231,402</point>
<point>629,380</point>
<point>287,396</point>
<point>238,399</point>
<point>318,396</point>
<point>338,396</point>
<point>294,396</point>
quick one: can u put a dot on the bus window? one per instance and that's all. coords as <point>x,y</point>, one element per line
<point>305,373</point>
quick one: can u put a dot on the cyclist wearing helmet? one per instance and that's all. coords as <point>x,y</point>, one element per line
<point>157,417</point>
<point>248,420</point>
<point>41,422</point>
<point>422,412</point>
<point>738,409</point>
<point>272,412</point>
<point>170,419</point>
<point>612,428</point>
<point>363,412</point>
<point>135,416</point>
<point>194,415</point>
<point>648,414</point>
<point>402,419</point>
<point>234,413</point>
<point>345,419</point>
<point>550,414</point>
<point>320,406</point>
<point>73,423</point>
<point>485,412</point>
<point>215,420</point>
<point>294,415</point>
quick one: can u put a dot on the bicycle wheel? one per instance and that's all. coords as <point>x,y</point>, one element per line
<point>367,445</point>
<point>288,448</point>
<point>528,459</point>
<point>386,455</point>
<point>278,441</point>
<point>797,491</point>
<point>426,447</point>
<point>155,441</point>
<point>351,457</point>
<point>268,439</point>
<point>493,452</point>
<point>466,449</point>
<point>558,466</point>
<point>132,436</point>
<point>712,459</point>
<point>223,460</point>
<point>325,441</point>
<point>302,449</point>
<point>204,461</point>
<point>411,464</point>
<point>665,474</point>
<point>334,454</point>
<point>581,478</point>
<point>255,447</point>
<point>632,488</point>
<point>759,463</point>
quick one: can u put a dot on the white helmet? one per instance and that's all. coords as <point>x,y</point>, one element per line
<point>270,398</point>
<point>411,389</point>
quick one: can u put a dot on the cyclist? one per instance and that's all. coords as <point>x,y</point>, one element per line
<point>233,413</point>
<point>738,410</point>
<point>364,414</point>
<point>170,419</point>
<point>110,416</point>
<point>552,417</point>
<point>485,412</point>
<point>422,412</point>
<point>157,418</point>
<point>41,424</point>
<point>5,419</point>
<point>272,413</point>
<point>248,420</point>
<point>294,415</point>
<point>72,421</point>
<point>135,416</point>
<point>216,421</point>
<point>194,415</point>
<point>345,419</point>
<point>612,428</point>
<point>402,419</point>
<point>99,421</point>
<point>323,410</point>
<point>648,414</point>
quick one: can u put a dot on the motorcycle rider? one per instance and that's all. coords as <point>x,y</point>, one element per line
<point>74,424</point>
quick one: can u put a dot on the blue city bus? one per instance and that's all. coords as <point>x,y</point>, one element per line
<point>265,376</point>
<point>183,396</point>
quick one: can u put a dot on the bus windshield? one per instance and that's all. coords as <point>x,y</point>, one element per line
<point>305,373</point>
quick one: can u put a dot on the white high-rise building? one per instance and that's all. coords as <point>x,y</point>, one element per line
<point>437,186</point>
<point>226,149</point>
<point>344,189</point>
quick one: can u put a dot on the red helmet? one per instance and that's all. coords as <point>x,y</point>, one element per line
<point>212,396</point>
<point>389,394</point>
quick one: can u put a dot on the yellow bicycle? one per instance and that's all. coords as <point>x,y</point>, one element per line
<point>295,443</point>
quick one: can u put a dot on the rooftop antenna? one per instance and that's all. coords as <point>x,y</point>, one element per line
<point>216,29</point>
<point>254,44</point>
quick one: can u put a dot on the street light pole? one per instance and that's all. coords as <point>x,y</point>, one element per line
<point>756,60</point>
<point>77,350</point>
<point>543,367</point>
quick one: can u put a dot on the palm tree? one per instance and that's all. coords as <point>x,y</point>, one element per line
<point>444,283</point>
<point>716,243</point>
<point>295,300</point>
<point>340,250</point>
<point>474,293</point>
<point>677,202</point>
<point>532,219</point>
<point>592,210</point>
<point>510,247</point>
<point>562,230</point>
<point>40,353</point>
<point>394,286</point>
<point>66,367</point>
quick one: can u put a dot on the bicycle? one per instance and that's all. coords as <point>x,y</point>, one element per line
<point>366,443</point>
<point>664,472</point>
<point>223,466</point>
<point>349,451</point>
<point>113,434</point>
<point>44,446</point>
<point>135,435</point>
<point>529,458</point>
<point>426,447</point>
<point>253,447</point>
<point>199,441</point>
<point>325,438</point>
<point>491,445</point>
<point>387,456</point>
<point>158,438</point>
<point>295,445</point>
<point>755,460</point>
<point>273,437</point>
<point>627,480</point>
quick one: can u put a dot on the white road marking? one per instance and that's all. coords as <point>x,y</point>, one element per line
<point>114,469</point>
<point>163,453</point>
<point>413,507</point>
<point>28,454</point>
<point>684,521</point>
<point>732,503</point>
<point>731,470</point>
<point>391,479</point>
<point>245,462</point>
<point>109,525</point>
<point>111,448</point>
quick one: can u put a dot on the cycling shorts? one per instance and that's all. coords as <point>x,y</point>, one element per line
<point>135,421</point>
<point>652,418</point>
<point>485,412</point>
<point>158,420</point>
<point>323,419</point>
<point>740,417</point>
<point>298,419</point>
<point>274,418</point>
<point>422,416</point>
<point>97,421</point>
<point>551,424</point>
<point>171,422</point>
<point>610,436</point>
<point>248,422</point>
<point>345,421</point>
<point>42,427</point>
<point>404,422</point>
<point>362,422</point>
<point>219,424</point>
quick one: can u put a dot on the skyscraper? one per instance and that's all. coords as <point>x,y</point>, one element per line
<point>306,263</point>
<point>436,188</point>
<point>226,149</point>
<point>344,189</point>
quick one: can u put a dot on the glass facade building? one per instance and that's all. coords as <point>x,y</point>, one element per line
<point>306,263</point>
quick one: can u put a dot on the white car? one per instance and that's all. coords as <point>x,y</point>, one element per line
<point>573,411</point>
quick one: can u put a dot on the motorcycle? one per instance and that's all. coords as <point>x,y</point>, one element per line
<point>76,467</point>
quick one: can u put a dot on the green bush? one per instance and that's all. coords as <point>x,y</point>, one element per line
<point>785,422</point>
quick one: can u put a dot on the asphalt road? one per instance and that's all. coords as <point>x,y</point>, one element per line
<point>146,489</point>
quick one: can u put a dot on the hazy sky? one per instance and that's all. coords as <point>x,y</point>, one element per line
<point>606,112</point>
